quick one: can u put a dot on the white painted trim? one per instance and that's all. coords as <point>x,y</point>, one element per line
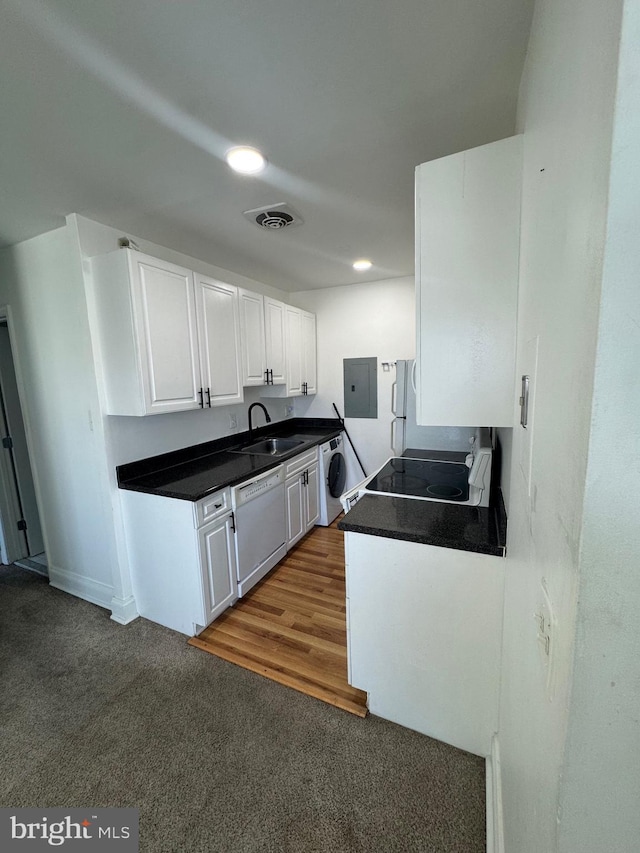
<point>6,313</point>
<point>495,823</point>
<point>95,592</point>
<point>123,610</point>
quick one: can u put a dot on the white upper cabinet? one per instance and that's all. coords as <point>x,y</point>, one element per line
<point>274,341</point>
<point>263,341</point>
<point>467,254</point>
<point>294,350</point>
<point>300,335</point>
<point>254,365</point>
<point>145,310</point>
<point>309,367</point>
<point>167,340</point>
<point>219,335</point>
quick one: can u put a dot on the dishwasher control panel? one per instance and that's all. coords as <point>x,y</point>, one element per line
<point>254,488</point>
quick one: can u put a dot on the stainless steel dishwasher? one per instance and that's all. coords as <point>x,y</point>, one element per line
<point>260,526</point>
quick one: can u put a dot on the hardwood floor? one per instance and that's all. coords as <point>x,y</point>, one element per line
<point>291,627</point>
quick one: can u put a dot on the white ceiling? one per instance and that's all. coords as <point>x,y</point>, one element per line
<point>122,111</point>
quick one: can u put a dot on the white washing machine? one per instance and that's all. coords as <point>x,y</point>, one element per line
<point>333,476</point>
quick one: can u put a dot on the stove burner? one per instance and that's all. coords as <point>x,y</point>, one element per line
<point>441,490</point>
<point>403,483</point>
<point>452,469</point>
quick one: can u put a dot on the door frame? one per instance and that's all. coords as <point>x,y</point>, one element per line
<point>12,541</point>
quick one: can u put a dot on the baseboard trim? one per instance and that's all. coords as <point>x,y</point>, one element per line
<point>495,824</point>
<point>95,592</point>
<point>124,610</point>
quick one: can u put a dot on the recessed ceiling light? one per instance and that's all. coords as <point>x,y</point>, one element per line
<point>362,265</point>
<point>247,161</point>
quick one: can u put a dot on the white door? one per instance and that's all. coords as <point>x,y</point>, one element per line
<point>252,336</point>
<point>294,351</point>
<point>294,507</point>
<point>219,336</point>
<point>165,317</point>
<point>311,496</point>
<point>274,331</point>
<point>217,562</point>
<point>309,369</point>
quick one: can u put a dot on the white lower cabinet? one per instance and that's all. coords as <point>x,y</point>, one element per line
<point>218,567</point>
<point>424,634</point>
<point>182,558</point>
<point>301,490</point>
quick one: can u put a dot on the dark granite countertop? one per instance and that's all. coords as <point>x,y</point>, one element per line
<point>465,528</point>
<point>194,472</point>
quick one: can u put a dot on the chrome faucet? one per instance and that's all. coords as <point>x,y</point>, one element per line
<point>266,414</point>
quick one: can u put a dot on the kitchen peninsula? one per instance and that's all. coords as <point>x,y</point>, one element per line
<point>424,614</point>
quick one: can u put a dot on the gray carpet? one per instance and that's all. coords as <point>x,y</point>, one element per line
<point>215,757</point>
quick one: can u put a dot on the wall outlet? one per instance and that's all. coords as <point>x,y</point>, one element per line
<point>233,422</point>
<point>289,411</point>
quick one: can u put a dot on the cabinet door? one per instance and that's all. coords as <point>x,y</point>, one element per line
<point>309,352</point>
<point>467,255</point>
<point>219,336</point>
<point>165,325</point>
<point>294,351</point>
<point>274,333</point>
<point>311,497</point>
<point>217,563</point>
<point>293,490</point>
<point>252,336</point>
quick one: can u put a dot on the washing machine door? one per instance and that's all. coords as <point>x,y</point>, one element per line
<point>337,475</point>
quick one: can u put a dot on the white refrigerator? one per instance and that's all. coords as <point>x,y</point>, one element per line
<point>406,433</point>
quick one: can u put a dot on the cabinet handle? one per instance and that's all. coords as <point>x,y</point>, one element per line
<point>209,397</point>
<point>233,522</point>
<point>201,395</point>
<point>271,376</point>
<point>304,388</point>
<point>524,402</point>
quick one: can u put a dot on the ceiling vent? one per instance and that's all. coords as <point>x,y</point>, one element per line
<point>274,216</point>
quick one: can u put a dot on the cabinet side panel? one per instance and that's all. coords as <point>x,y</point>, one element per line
<point>117,353</point>
<point>165,565</point>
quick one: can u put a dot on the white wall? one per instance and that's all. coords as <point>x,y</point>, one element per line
<point>358,321</point>
<point>565,112</point>
<point>41,282</point>
<point>601,778</point>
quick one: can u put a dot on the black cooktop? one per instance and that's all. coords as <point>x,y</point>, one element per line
<point>422,478</point>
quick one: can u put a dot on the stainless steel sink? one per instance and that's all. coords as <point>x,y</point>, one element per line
<point>271,446</point>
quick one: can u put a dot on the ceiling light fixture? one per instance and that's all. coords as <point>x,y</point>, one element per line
<point>245,160</point>
<point>362,265</point>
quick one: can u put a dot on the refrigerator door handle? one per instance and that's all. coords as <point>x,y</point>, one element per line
<point>398,436</point>
<point>394,402</point>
